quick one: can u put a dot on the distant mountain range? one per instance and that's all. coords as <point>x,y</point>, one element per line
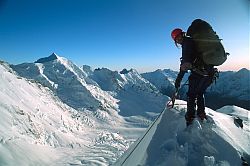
<point>82,87</point>
<point>231,88</point>
<point>64,77</point>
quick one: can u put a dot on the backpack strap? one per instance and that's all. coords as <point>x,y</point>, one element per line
<point>203,69</point>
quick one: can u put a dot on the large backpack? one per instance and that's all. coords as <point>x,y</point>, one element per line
<point>208,43</point>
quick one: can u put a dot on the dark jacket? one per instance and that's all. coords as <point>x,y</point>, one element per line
<point>189,52</point>
<point>191,55</point>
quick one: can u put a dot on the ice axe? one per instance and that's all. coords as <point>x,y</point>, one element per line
<point>171,102</point>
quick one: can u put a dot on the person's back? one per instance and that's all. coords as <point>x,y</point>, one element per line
<point>190,54</point>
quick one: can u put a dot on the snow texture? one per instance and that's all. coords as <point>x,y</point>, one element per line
<point>56,113</point>
<point>217,141</point>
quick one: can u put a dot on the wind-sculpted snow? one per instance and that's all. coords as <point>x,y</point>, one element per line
<point>216,141</point>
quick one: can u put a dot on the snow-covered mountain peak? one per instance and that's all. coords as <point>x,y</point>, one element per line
<point>162,74</point>
<point>114,81</point>
<point>56,64</point>
<point>55,61</point>
<point>170,73</point>
<point>68,81</point>
<point>133,76</point>
<point>243,73</point>
<point>162,79</point>
<point>87,69</point>
<point>52,57</point>
<point>124,71</point>
<point>134,71</point>
<point>244,70</point>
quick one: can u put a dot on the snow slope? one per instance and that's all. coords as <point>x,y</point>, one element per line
<point>37,120</point>
<point>37,128</point>
<point>217,141</point>
<point>33,121</point>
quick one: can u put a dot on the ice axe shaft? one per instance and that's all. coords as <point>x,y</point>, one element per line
<point>171,102</point>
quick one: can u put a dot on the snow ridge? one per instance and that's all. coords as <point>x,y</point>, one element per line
<point>217,141</point>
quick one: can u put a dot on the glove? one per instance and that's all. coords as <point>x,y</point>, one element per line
<point>186,66</point>
<point>177,83</point>
<point>178,79</point>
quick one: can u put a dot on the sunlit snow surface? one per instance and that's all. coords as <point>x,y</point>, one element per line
<point>37,128</point>
<point>216,141</point>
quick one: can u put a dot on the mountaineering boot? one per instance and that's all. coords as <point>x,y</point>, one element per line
<point>189,119</point>
<point>201,107</point>
<point>190,115</point>
<point>202,116</point>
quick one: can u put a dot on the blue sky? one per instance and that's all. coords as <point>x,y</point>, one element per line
<point>117,34</point>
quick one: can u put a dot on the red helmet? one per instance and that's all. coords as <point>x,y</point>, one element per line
<point>176,32</point>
